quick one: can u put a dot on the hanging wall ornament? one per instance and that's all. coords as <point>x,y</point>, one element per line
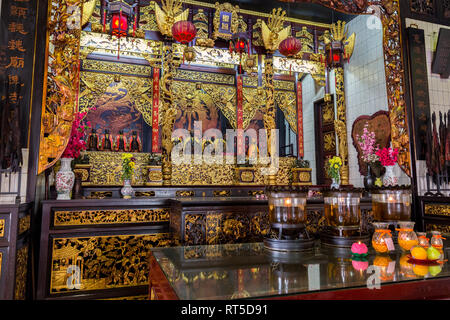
<point>289,47</point>
<point>120,14</point>
<point>184,32</point>
<point>240,44</point>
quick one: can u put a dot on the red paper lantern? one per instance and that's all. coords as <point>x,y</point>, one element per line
<point>184,31</point>
<point>119,25</point>
<point>290,47</point>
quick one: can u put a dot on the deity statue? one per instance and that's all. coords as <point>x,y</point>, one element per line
<point>135,143</point>
<point>92,143</point>
<point>121,142</point>
<point>106,142</point>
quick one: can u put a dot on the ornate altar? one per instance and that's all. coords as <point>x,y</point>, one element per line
<point>142,82</point>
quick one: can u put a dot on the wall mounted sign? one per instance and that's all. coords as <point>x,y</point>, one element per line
<point>419,86</point>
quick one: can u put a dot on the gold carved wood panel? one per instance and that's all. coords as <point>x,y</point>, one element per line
<point>2,228</point>
<point>61,79</point>
<point>21,273</point>
<point>107,168</point>
<point>104,262</point>
<point>437,210</point>
<point>101,217</point>
<point>138,89</point>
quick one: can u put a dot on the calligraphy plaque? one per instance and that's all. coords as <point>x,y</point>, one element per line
<point>419,84</point>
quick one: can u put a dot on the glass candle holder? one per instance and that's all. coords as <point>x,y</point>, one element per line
<point>407,238</point>
<point>391,204</point>
<point>436,240</point>
<point>381,236</point>
<point>423,240</point>
<point>286,207</point>
<point>342,209</point>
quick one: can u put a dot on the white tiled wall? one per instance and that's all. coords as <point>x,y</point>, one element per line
<point>365,90</point>
<point>311,93</point>
<point>365,86</point>
<point>439,88</point>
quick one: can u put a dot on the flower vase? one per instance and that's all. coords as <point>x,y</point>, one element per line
<point>335,183</point>
<point>64,179</point>
<point>368,179</point>
<point>127,191</point>
<point>389,178</point>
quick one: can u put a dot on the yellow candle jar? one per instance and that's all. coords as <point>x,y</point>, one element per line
<point>381,236</point>
<point>407,238</point>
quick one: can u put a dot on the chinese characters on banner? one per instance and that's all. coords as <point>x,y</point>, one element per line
<point>419,84</point>
<point>17,30</point>
<point>301,152</point>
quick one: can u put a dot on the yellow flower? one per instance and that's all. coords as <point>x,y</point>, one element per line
<point>126,156</point>
<point>132,164</point>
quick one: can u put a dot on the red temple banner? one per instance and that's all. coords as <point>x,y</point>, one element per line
<point>301,151</point>
<point>155,110</point>
<point>240,115</point>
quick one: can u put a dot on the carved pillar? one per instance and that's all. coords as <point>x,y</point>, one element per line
<point>269,115</point>
<point>341,124</point>
<point>168,113</point>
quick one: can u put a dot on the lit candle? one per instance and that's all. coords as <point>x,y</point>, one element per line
<point>359,248</point>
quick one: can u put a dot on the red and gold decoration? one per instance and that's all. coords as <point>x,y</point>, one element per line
<point>290,47</point>
<point>240,116</point>
<point>120,14</point>
<point>184,32</point>
<point>300,146</point>
<point>240,44</point>
<point>155,111</point>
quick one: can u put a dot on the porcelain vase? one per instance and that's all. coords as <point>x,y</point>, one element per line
<point>389,178</point>
<point>127,190</point>
<point>335,183</point>
<point>64,179</point>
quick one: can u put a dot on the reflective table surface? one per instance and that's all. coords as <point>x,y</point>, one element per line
<point>236,271</point>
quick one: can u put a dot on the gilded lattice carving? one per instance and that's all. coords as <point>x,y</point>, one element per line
<point>204,77</point>
<point>2,228</point>
<point>438,227</point>
<point>329,141</point>
<point>257,34</point>
<point>140,90</point>
<point>284,85</point>
<point>287,102</point>
<point>254,100</point>
<point>100,195</point>
<point>340,124</point>
<point>395,82</point>
<point>21,274</point>
<point>105,261</point>
<point>147,20</point>
<point>126,68</point>
<point>24,224</point>
<point>100,217</point>
<point>61,76</point>
<point>437,210</point>
<point>107,168</point>
<point>223,174</point>
<point>200,21</point>
<point>306,39</point>
<point>105,44</point>
<point>314,66</point>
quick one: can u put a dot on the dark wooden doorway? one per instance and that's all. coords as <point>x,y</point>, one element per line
<point>325,137</point>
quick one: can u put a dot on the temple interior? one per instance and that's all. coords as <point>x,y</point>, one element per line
<point>182,149</point>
